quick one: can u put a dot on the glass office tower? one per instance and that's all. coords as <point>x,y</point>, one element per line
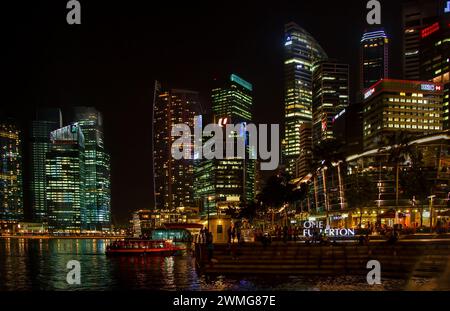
<point>301,51</point>
<point>173,179</point>
<point>97,216</point>
<point>330,97</point>
<point>374,57</point>
<point>228,182</point>
<point>11,192</point>
<point>46,121</point>
<point>65,175</point>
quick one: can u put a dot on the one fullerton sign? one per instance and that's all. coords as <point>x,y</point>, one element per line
<point>309,227</point>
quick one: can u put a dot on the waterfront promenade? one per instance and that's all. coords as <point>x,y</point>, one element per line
<point>426,256</point>
<point>49,237</point>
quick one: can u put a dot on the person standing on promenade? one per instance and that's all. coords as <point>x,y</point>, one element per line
<point>238,233</point>
<point>229,233</point>
<point>210,246</point>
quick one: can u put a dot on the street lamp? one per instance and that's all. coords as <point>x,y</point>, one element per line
<point>209,199</point>
<point>431,197</point>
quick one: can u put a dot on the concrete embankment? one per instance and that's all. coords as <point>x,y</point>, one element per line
<point>429,259</point>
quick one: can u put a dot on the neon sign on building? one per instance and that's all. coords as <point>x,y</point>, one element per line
<point>429,30</point>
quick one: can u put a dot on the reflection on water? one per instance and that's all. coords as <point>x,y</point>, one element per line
<point>41,264</point>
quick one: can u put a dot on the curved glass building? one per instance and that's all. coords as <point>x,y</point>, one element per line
<point>301,50</point>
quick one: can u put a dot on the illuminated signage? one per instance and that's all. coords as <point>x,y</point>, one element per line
<point>338,115</point>
<point>430,30</point>
<point>310,226</point>
<point>447,8</point>
<point>427,87</point>
<point>222,122</point>
<point>369,93</point>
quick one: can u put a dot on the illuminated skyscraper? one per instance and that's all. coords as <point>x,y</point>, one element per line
<point>408,106</point>
<point>303,164</point>
<point>301,51</point>
<point>374,57</point>
<point>173,179</point>
<point>435,58</point>
<point>330,97</point>
<point>221,183</point>
<point>65,175</point>
<point>46,121</point>
<point>417,15</point>
<point>97,215</point>
<point>11,192</point>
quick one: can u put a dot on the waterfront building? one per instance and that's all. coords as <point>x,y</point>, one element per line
<point>374,57</point>
<point>65,176</point>
<point>173,179</point>
<point>11,174</point>
<point>330,89</point>
<point>97,212</point>
<point>45,121</point>
<point>301,50</point>
<point>157,223</point>
<point>332,193</point>
<point>390,106</point>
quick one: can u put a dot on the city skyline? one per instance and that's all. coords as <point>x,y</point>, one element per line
<point>265,29</point>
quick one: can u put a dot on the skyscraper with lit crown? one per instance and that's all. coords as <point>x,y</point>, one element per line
<point>374,57</point>
<point>301,51</point>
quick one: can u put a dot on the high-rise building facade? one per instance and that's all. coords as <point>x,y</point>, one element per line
<point>46,121</point>
<point>417,15</point>
<point>303,164</point>
<point>173,179</point>
<point>65,176</point>
<point>374,57</point>
<point>330,97</point>
<point>408,106</point>
<point>435,58</point>
<point>301,50</point>
<point>97,215</point>
<point>220,183</point>
<point>11,191</point>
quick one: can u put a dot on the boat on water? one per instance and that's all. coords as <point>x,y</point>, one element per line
<point>144,247</point>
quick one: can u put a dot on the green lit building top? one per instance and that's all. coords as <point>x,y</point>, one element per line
<point>220,183</point>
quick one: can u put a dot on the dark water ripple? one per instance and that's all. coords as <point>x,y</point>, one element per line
<point>41,265</point>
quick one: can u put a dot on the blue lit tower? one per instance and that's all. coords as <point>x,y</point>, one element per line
<point>374,57</point>
<point>97,216</point>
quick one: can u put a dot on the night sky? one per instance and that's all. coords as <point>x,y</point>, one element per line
<point>111,60</point>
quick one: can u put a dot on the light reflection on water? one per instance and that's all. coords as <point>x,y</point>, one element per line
<point>41,265</point>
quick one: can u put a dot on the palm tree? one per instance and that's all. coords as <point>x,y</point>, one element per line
<point>414,181</point>
<point>360,191</point>
<point>400,151</point>
<point>327,154</point>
